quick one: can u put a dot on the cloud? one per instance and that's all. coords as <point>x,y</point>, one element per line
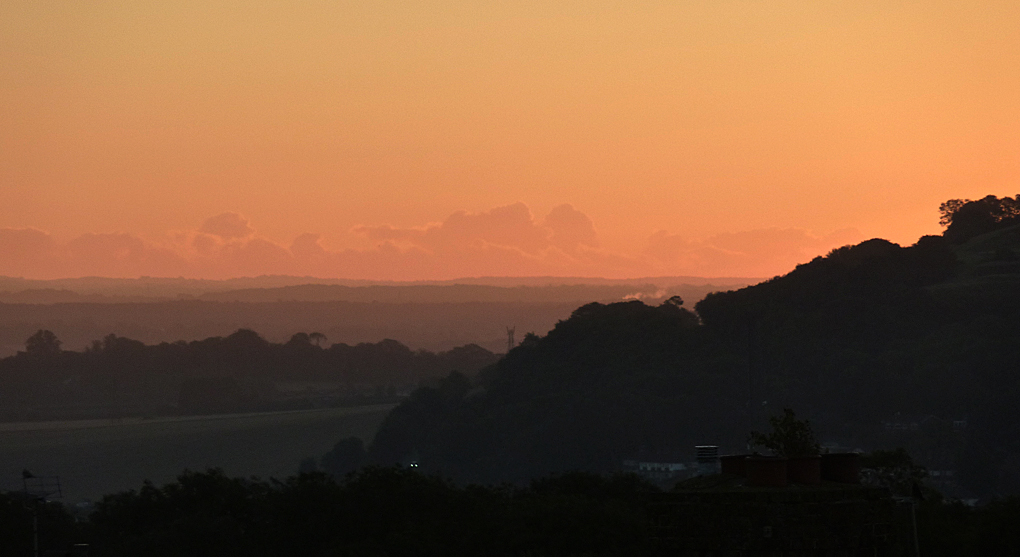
<point>386,232</point>
<point>509,226</point>
<point>118,254</point>
<point>763,252</point>
<point>505,240</point>
<point>205,244</point>
<point>24,242</point>
<point>229,226</point>
<point>34,253</point>
<point>502,241</point>
<point>257,256</point>
<point>25,251</point>
<point>229,250</point>
<point>117,246</point>
<point>214,256</point>
<point>571,228</point>
<point>306,246</point>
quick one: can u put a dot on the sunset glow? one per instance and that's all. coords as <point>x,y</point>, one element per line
<point>433,140</point>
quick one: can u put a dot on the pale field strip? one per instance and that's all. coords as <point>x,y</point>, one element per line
<point>58,425</point>
<point>98,457</point>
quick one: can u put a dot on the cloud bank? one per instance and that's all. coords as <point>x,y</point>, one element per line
<point>763,252</point>
<point>503,241</point>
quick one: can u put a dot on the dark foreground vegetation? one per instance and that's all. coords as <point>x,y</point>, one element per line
<point>879,345</point>
<point>400,512</point>
<point>378,511</point>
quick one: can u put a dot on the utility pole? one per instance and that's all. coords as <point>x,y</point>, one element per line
<point>752,405</point>
<point>38,489</point>
<point>510,338</point>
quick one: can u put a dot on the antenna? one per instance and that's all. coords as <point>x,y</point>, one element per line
<point>510,338</point>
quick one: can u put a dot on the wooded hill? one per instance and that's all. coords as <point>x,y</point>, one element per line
<point>878,345</point>
<point>119,376</point>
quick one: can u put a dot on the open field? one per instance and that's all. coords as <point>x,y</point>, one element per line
<point>95,457</point>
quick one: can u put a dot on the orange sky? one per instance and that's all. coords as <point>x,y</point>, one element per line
<point>688,136</point>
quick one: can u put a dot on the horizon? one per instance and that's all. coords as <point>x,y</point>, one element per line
<point>510,280</point>
<point>465,245</point>
<point>215,255</point>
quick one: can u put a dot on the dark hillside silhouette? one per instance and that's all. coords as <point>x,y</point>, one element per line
<point>879,345</point>
<point>601,385</point>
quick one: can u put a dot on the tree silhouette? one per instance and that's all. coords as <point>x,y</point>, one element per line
<point>42,343</point>
<point>966,218</point>
<point>789,436</point>
<point>675,301</point>
<point>347,456</point>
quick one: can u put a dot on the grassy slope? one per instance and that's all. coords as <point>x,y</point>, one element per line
<point>982,273</point>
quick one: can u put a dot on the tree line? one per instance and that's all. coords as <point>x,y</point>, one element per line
<point>242,365</point>
<point>397,512</point>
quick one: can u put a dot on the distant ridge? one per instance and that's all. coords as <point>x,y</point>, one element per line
<point>273,288</point>
<point>434,316</point>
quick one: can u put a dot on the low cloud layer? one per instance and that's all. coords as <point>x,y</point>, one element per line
<point>228,226</point>
<point>762,253</point>
<point>503,241</point>
<point>510,226</point>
